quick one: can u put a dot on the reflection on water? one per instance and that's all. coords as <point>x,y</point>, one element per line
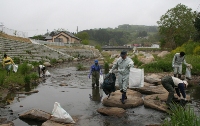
<point>95,95</point>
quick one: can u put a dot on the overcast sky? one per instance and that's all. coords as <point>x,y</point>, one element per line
<point>36,16</point>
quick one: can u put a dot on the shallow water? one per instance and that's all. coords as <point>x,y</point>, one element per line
<point>78,99</point>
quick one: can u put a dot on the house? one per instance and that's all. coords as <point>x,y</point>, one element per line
<point>63,36</point>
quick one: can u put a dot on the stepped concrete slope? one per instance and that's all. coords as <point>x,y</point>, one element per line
<point>26,51</point>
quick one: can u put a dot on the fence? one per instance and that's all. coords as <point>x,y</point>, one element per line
<point>13,32</point>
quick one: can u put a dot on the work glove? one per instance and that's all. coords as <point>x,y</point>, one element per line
<point>185,99</point>
<point>89,76</point>
<point>100,73</point>
<point>111,71</point>
<point>129,65</point>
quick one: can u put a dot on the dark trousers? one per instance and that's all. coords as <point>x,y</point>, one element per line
<point>168,84</point>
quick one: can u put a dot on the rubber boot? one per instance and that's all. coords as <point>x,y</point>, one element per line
<point>123,98</point>
<point>174,75</point>
<point>179,76</point>
<point>125,95</point>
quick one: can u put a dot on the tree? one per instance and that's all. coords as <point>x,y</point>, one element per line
<point>176,25</point>
<point>197,27</point>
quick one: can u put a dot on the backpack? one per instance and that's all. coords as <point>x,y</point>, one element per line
<point>109,84</point>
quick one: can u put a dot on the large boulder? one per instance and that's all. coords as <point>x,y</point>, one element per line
<point>112,111</point>
<point>134,99</point>
<point>157,101</point>
<point>151,90</point>
<point>163,53</point>
<point>148,58</point>
<point>46,64</point>
<point>153,79</point>
<point>36,114</point>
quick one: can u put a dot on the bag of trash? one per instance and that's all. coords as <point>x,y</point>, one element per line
<point>136,78</point>
<point>47,73</point>
<point>60,115</point>
<point>101,80</point>
<point>188,73</point>
<point>15,67</point>
<point>109,83</point>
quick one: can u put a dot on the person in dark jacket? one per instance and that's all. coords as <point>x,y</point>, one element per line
<point>169,83</point>
<point>95,71</point>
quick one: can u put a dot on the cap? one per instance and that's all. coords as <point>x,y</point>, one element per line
<point>123,53</point>
<point>185,82</point>
<point>95,61</point>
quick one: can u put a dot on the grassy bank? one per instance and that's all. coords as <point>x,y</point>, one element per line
<point>25,74</point>
<point>192,57</point>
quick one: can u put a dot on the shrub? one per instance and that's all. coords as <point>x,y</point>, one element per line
<point>80,67</point>
<point>197,50</point>
<point>24,69</point>
<point>27,79</point>
<point>2,78</point>
<point>136,61</point>
<point>53,61</point>
<point>34,76</point>
<point>182,116</point>
<point>106,67</point>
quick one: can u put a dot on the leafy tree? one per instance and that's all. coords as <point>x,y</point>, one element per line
<point>197,27</point>
<point>38,37</point>
<point>83,35</point>
<point>176,25</point>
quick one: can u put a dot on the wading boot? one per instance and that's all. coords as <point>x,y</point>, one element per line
<point>123,98</point>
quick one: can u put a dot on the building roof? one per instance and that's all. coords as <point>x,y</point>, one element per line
<point>68,33</point>
<point>48,38</point>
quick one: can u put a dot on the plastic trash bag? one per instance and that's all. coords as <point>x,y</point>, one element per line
<point>188,73</point>
<point>15,67</point>
<point>47,73</point>
<point>136,78</point>
<point>101,80</point>
<point>61,114</point>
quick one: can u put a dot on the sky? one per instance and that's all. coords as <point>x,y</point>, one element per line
<point>35,17</point>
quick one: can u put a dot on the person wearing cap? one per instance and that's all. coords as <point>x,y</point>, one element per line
<point>169,83</point>
<point>95,71</point>
<point>7,63</point>
<point>177,61</point>
<point>123,65</point>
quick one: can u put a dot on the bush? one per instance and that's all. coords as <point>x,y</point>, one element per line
<point>34,76</point>
<point>24,69</point>
<point>136,61</point>
<point>2,78</point>
<point>106,67</point>
<point>80,67</point>
<point>27,79</point>
<point>53,61</point>
<point>197,50</point>
<point>182,116</point>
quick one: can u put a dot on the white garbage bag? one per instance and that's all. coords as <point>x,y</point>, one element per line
<point>188,73</point>
<point>136,78</point>
<point>47,73</point>
<point>60,113</point>
<point>101,79</point>
<point>15,67</point>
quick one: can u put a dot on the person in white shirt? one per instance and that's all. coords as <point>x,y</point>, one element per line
<point>169,83</point>
<point>177,61</point>
<point>41,69</point>
<point>123,65</point>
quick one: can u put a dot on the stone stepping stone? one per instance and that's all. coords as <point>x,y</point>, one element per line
<point>134,99</point>
<point>52,123</point>
<point>151,90</point>
<point>157,101</point>
<point>36,114</point>
<point>112,111</point>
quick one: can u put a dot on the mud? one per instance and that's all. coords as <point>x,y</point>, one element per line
<point>77,97</point>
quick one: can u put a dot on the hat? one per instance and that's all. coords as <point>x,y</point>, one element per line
<point>95,61</point>
<point>123,53</point>
<point>185,82</point>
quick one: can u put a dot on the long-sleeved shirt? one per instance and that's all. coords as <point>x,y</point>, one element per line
<point>177,60</point>
<point>7,61</point>
<point>95,68</point>
<point>123,65</point>
<point>180,87</point>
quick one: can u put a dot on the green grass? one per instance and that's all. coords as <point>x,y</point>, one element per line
<point>182,116</point>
